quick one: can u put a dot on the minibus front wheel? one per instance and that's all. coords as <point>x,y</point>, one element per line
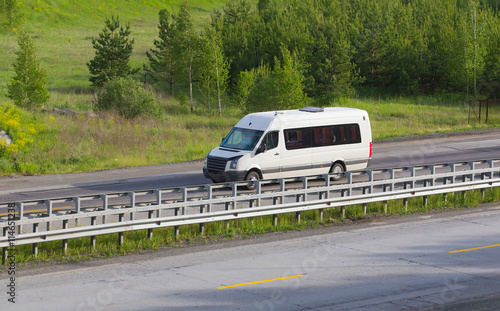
<point>251,177</point>
<point>337,170</point>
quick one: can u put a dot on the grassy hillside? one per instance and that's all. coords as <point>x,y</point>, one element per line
<point>62,31</point>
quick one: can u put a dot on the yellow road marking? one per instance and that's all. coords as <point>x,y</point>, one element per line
<point>264,281</point>
<point>475,248</point>
<point>38,210</point>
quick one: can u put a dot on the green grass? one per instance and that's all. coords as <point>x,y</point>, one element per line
<point>66,144</point>
<point>402,116</point>
<point>62,31</point>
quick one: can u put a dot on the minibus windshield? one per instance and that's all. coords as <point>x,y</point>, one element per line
<point>242,139</point>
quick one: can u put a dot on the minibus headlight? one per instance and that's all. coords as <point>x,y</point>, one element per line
<point>233,163</point>
<point>206,160</point>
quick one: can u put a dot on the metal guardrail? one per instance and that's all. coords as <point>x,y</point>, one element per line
<point>175,207</point>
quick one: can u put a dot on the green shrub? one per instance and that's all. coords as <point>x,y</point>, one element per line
<point>128,97</point>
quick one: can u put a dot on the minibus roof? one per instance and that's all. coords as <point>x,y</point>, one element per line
<point>263,120</point>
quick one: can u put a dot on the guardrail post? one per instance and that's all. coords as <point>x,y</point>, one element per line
<point>259,192</point>
<point>120,234</point>
<point>483,177</point>
<point>432,168</point>
<point>280,198</point>
<point>385,202</point>
<point>452,180</point>
<point>93,221</point>
<point>425,197</point>
<point>158,202</point>
<point>35,245</point>
<point>48,203</point>
<point>275,220</point>
<point>445,195</point>
<point>230,204</point>
<point>304,186</point>
<point>131,195</point>
<point>209,197</point>
<point>65,241</point>
<point>20,208</point>
<point>405,200</point>
<point>78,206</point>
<point>370,179</point>
<point>202,225</point>
<point>176,228</point>
<point>327,185</point>
<point>365,205</point>
<point>342,208</point>
<point>184,198</point>
<point>150,231</point>
<point>104,198</point>
<point>490,162</point>
<point>301,197</point>
<point>349,182</point>
<point>412,175</point>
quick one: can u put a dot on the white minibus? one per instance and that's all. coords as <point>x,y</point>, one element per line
<point>290,143</point>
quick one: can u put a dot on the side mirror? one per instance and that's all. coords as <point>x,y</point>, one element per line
<point>262,148</point>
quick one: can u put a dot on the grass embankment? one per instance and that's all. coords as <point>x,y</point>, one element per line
<point>67,144</point>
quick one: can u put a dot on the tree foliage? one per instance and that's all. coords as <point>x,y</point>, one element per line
<point>126,96</point>
<point>405,47</point>
<point>10,15</point>
<point>28,86</point>
<point>186,48</point>
<point>162,64</point>
<point>322,50</point>
<point>112,53</point>
<point>282,88</point>
<point>214,66</point>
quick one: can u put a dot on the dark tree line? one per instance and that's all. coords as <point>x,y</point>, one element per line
<point>406,46</point>
<point>283,53</point>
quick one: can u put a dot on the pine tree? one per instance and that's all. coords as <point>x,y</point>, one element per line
<point>161,59</point>
<point>113,50</point>
<point>287,83</point>
<point>186,48</point>
<point>28,86</point>
<point>280,89</point>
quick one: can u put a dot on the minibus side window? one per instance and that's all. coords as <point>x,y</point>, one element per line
<point>335,139</point>
<point>322,136</point>
<point>271,140</point>
<point>298,138</point>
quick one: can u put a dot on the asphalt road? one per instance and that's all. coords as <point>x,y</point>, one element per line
<point>441,261</point>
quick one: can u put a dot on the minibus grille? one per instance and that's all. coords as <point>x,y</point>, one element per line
<point>216,164</point>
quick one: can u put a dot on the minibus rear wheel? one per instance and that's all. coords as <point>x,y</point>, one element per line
<point>337,170</point>
<point>252,176</point>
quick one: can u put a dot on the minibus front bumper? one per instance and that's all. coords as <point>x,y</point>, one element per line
<point>228,176</point>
